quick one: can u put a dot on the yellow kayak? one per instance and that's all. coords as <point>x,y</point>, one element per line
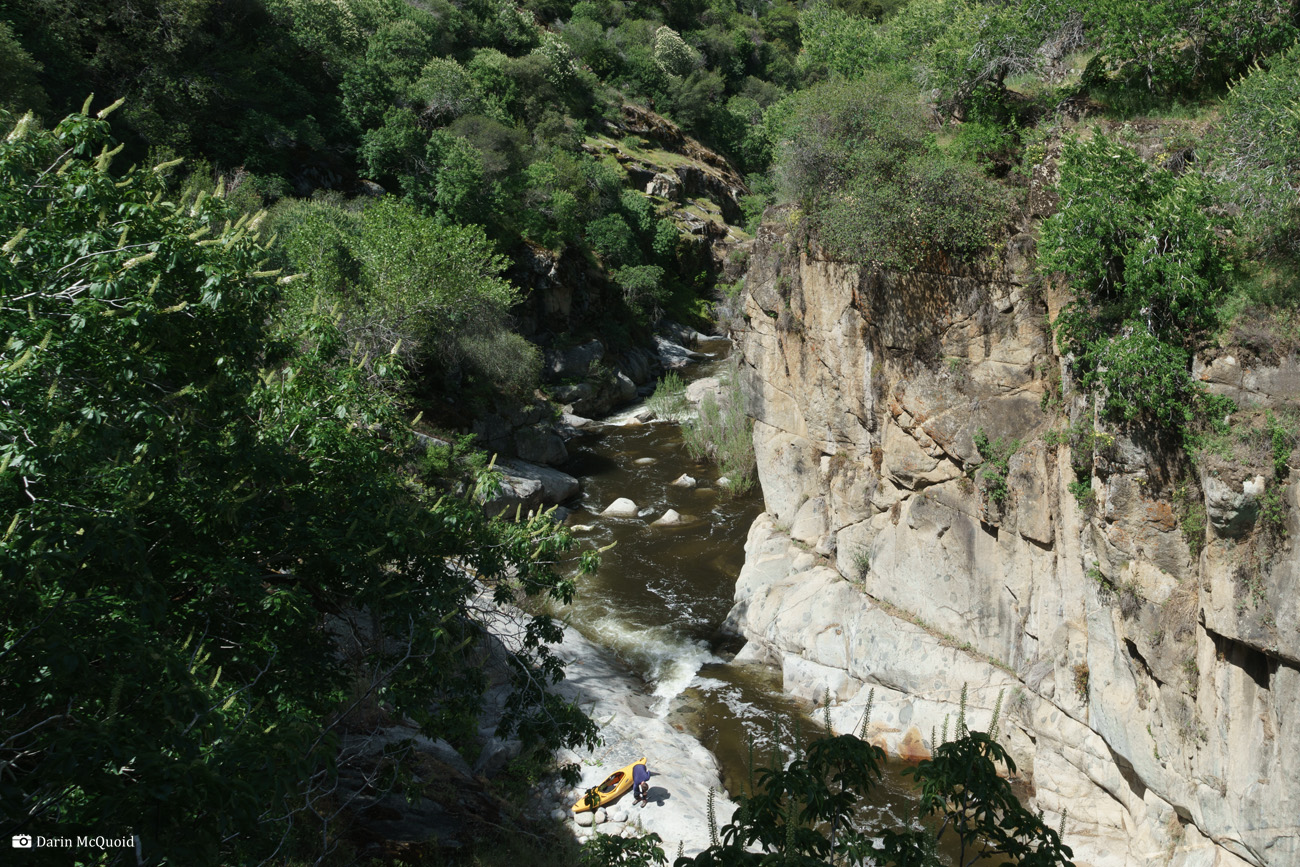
<point>614,786</point>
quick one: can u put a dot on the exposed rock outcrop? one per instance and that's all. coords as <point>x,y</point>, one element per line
<point>1149,664</point>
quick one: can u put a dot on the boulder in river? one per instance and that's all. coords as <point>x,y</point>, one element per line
<point>528,487</point>
<point>669,518</point>
<point>557,487</point>
<point>674,356</point>
<point>684,481</point>
<point>621,508</point>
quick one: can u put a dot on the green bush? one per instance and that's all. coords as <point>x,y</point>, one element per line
<point>612,238</point>
<point>407,284</point>
<point>722,432</point>
<point>993,472</point>
<point>1141,249</point>
<point>643,288</point>
<point>1173,47</point>
<point>669,398</point>
<point>861,160</point>
<point>1256,153</point>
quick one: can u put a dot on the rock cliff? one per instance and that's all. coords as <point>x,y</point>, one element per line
<point>943,509</point>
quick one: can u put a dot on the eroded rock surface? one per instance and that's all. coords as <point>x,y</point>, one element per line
<point>1142,626</point>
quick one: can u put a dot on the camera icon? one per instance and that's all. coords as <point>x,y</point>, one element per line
<point>22,841</point>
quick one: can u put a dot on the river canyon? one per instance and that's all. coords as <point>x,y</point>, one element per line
<point>1148,666</point>
<point>1147,680</point>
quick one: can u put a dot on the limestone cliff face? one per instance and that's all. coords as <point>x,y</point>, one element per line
<point>1149,665</point>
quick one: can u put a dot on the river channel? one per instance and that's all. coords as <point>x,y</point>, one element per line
<point>662,593</point>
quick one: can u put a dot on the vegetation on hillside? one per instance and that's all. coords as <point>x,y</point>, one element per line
<point>207,593</point>
<point>205,453</point>
<point>1162,250</point>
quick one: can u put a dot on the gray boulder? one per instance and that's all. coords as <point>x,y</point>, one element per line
<point>669,518</point>
<point>665,187</point>
<point>1232,512</point>
<point>573,363</point>
<point>556,486</point>
<point>674,356</point>
<point>621,508</point>
<point>540,444</point>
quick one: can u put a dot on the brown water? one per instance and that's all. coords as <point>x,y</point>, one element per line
<point>661,595</point>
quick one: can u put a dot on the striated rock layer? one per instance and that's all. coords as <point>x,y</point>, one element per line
<point>1148,659</point>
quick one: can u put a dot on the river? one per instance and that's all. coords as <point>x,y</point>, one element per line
<point>661,595</point>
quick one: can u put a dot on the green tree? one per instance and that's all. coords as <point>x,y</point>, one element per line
<point>1257,157</point>
<point>672,55</point>
<point>1142,253</point>
<point>1171,47</point>
<point>860,159</point>
<point>407,285</point>
<point>214,553</point>
<point>20,88</point>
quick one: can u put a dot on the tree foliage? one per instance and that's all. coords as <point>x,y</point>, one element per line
<point>1258,153</point>
<point>402,283</point>
<point>1139,246</point>
<point>861,160</point>
<point>1181,46</point>
<point>214,550</point>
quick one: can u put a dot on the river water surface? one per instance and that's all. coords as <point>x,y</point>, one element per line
<point>661,595</point>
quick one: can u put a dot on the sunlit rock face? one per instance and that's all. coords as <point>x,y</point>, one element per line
<point>917,439</point>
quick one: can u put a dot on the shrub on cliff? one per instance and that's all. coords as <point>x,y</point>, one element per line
<point>860,158</point>
<point>1142,252</point>
<point>1258,153</point>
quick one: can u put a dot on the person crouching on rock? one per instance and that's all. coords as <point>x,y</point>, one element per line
<point>640,785</point>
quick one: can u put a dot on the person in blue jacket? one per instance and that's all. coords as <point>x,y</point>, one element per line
<point>640,785</point>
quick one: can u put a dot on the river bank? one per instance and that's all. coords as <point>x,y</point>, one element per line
<point>682,771</point>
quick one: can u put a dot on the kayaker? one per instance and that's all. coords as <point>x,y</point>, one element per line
<point>640,785</point>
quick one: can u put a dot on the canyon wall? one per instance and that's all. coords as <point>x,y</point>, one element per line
<point>1135,610</point>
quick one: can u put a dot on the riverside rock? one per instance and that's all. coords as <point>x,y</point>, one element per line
<point>1163,713</point>
<point>669,518</point>
<point>531,487</point>
<point>621,508</point>
<point>698,389</point>
<point>684,481</point>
